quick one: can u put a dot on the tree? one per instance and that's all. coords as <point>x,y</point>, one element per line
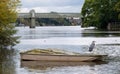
<point>117,8</point>
<point>99,13</point>
<point>8,15</point>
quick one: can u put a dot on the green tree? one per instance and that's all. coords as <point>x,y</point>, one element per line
<point>99,13</point>
<point>8,15</point>
<point>117,8</point>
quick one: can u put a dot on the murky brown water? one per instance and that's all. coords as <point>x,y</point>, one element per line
<point>65,38</point>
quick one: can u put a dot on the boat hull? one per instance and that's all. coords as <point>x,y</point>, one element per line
<point>71,58</point>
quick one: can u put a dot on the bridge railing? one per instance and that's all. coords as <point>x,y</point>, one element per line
<point>48,15</point>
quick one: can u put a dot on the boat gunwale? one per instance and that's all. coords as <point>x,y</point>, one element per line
<point>81,55</point>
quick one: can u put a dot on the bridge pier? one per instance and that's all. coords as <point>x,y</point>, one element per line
<point>32,24</point>
<point>32,14</point>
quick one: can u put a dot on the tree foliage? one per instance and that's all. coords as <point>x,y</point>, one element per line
<point>8,15</point>
<point>117,8</point>
<point>99,13</point>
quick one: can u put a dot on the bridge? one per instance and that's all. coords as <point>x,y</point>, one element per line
<point>32,15</point>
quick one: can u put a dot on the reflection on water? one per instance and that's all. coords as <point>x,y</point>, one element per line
<point>43,65</point>
<point>7,63</point>
<point>97,69</point>
<point>76,31</point>
<point>100,34</point>
<point>72,38</point>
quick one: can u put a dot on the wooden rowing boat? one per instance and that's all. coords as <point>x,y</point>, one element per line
<point>74,58</point>
<point>58,55</point>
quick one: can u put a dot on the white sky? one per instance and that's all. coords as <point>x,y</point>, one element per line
<point>43,6</point>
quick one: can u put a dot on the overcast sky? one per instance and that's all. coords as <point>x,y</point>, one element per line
<point>43,6</point>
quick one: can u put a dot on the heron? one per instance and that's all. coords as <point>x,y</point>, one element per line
<point>92,45</point>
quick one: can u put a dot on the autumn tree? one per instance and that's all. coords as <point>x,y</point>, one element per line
<point>8,15</point>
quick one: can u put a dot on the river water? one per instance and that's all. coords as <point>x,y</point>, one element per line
<point>68,38</point>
